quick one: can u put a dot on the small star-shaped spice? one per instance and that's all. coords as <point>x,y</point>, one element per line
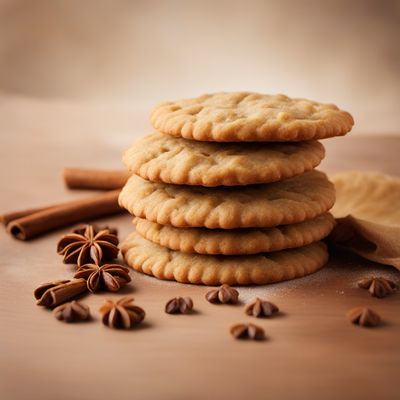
<point>247,331</point>
<point>54,293</point>
<point>261,308</point>
<point>88,244</point>
<point>223,295</point>
<point>81,229</point>
<point>179,305</point>
<point>110,277</point>
<point>363,316</point>
<point>378,287</point>
<point>122,314</point>
<point>72,312</point>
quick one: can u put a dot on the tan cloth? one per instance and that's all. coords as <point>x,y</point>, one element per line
<point>367,210</point>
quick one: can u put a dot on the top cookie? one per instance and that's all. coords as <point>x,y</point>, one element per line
<point>162,158</point>
<point>245,116</point>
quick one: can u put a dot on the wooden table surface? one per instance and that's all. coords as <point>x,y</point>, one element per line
<point>312,351</point>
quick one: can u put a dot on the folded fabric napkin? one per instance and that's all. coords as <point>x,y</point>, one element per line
<point>367,211</point>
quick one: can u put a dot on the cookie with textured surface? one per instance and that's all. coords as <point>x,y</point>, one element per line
<point>246,116</point>
<point>236,241</point>
<point>161,158</point>
<point>290,201</point>
<point>152,259</point>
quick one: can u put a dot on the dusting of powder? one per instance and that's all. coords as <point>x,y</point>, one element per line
<point>344,271</point>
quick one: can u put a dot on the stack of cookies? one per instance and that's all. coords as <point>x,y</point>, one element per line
<point>225,191</point>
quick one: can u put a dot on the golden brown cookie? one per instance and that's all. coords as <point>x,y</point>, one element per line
<point>279,203</point>
<point>152,259</point>
<point>236,241</point>
<point>245,116</point>
<point>161,158</point>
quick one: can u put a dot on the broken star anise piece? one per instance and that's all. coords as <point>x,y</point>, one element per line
<point>378,287</point>
<point>122,314</point>
<point>363,316</point>
<point>54,293</point>
<point>73,311</point>
<point>223,295</point>
<point>89,244</point>
<point>261,308</point>
<point>110,277</point>
<point>179,305</point>
<point>247,331</point>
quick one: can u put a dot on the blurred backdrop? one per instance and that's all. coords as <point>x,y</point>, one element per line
<point>141,52</point>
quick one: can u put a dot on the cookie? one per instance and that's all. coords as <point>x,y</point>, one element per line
<point>245,116</point>
<point>236,241</point>
<point>161,158</point>
<point>279,203</point>
<point>152,259</point>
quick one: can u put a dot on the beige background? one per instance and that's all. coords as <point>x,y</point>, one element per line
<point>140,52</point>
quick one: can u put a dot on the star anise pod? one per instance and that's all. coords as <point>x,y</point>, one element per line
<point>89,244</point>
<point>378,287</point>
<point>72,312</point>
<point>223,295</point>
<point>179,305</point>
<point>261,308</point>
<point>54,293</point>
<point>110,277</point>
<point>122,314</point>
<point>247,331</point>
<point>363,316</point>
<point>80,229</point>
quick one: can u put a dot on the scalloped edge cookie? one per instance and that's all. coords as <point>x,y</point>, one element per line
<point>161,158</point>
<point>247,116</point>
<point>162,263</point>
<point>236,241</point>
<point>290,201</point>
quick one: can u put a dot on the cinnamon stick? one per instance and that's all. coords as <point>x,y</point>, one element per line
<point>95,179</point>
<point>57,216</point>
<point>5,219</point>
